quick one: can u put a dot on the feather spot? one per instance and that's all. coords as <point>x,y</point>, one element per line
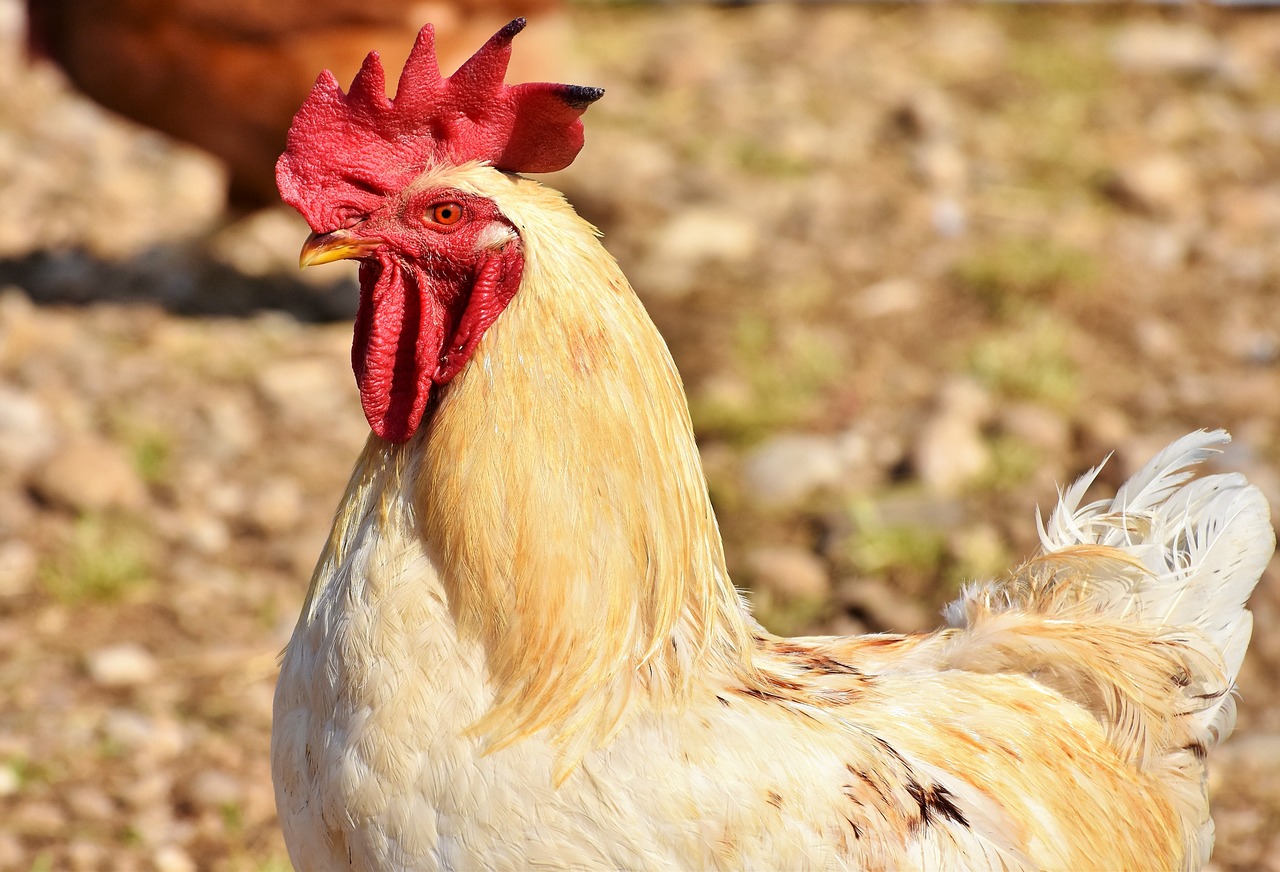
<point>935,802</point>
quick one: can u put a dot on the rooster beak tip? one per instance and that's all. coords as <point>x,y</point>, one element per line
<point>335,245</point>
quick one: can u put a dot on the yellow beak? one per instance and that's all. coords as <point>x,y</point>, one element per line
<point>336,245</point>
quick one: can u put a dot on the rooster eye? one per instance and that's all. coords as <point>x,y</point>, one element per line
<point>446,213</point>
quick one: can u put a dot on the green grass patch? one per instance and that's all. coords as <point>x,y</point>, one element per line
<point>783,373</point>
<point>881,550</point>
<point>1009,274</point>
<point>1027,361</point>
<point>761,159</point>
<point>104,560</point>
<point>152,455</point>
<point>1013,463</point>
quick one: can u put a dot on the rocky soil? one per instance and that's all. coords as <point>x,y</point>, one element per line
<point>917,266</point>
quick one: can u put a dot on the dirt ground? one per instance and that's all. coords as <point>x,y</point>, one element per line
<point>918,265</point>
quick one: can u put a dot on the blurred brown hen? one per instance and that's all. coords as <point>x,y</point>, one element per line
<point>227,75</point>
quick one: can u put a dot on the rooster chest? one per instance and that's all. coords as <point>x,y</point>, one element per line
<point>374,694</point>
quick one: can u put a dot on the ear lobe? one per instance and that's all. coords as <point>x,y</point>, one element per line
<point>495,236</point>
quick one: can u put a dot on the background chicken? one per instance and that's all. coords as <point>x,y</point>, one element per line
<point>521,647</point>
<point>166,481</point>
<point>228,76</point>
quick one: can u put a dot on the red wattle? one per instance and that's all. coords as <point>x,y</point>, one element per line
<point>415,331</point>
<point>399,331</point>
<point>495,284</point>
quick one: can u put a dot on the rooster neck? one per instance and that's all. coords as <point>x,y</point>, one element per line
<point>561,490</point>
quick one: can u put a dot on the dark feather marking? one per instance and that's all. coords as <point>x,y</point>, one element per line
<point>766,696</point>
<point>935,801</point>
<point>892,752</point>
<point>756,693</point>
<point>783,683</point>
<point>810,659</point>
<point>869,781</point>
<point>832,666</point>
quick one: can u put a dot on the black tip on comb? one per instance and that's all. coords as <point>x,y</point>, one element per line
<point>509,32</point>
<point>580,96</point>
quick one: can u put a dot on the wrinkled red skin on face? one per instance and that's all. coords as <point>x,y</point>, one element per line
<point>427,294</point>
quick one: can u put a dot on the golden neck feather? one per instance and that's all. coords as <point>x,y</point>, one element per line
<point>561,490</point>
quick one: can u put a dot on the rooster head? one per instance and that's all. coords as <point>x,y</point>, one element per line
<point>438,263</point>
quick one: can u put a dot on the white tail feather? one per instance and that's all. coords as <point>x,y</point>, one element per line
<point>1204,542</point>
<point>1150,587</point>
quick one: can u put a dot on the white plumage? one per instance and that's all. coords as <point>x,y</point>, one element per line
<point>521,648</point>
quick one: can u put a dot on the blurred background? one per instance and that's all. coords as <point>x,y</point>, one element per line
<point>918,264</point>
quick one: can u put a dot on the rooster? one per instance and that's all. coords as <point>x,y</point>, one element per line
<point>521,648</point>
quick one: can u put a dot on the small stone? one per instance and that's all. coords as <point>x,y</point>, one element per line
<point>950,455</point>
<point>1039,427</point>
<point>9,781</point>
<point>1150,47</point>
<point>205,533</point>
<point>1159,184</point>
<point>885,609</point>
<point>127,728</point>
<point>18,566</point>
<point>1106,427</point>
<point>38,818</point>
<point>787,469</point>
<point>171,858</point>
<point>262,243</point>
<point>26,431</point>
<point>152,789</point>
<point>87,802</point>
<point>949,217</point>
<point>969,47</point>
<point>793,573</point>
<point>1249,757</point>
<point>11,852</point>
<point>276,506</point>
<point>1254,346</point>
<point>233,425</point>
<point>51,620</point>
<point>154,825</point>
<point>888,297</point>
<point>950,452</point>
<point>941,164</point>
<point>215,789</point>
<point>692,239</point>
<point>90,474</point>
<point>122,665</point>
<point>84,854</point>
<point>1158,338</point>
<point>304,389</point>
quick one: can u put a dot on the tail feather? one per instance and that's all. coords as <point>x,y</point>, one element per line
<point>1136,605</point>
<point>1204,542</point>
<point>1154,483</point>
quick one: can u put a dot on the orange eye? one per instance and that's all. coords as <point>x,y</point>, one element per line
<point>446,213</point>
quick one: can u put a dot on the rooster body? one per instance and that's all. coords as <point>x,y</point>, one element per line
<point>521,648</point>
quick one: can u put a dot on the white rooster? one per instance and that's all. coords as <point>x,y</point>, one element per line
<point>521,649</point>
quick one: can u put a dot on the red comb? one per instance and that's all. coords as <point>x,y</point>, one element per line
<point>348,150</point>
